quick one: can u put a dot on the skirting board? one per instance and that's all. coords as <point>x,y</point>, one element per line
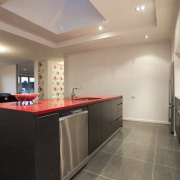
<point>145,120</point>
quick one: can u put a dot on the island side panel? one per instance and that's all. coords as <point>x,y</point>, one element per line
<point>17,145</point>
<point>48,157</point>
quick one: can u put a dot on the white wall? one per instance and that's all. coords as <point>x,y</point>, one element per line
<point>176,38</point>
<point>175,57</point>
<point>8,79</point>
<point>177,76</point>
<point>140,71</point>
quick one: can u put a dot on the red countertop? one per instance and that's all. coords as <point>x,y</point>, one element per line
<point>51,105</point>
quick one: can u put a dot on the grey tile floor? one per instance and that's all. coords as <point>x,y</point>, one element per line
<point>139,151</point>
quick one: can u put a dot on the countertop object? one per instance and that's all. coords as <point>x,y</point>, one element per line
<point>6,97</point>
<point>52,105</point>
<point>25,97</point>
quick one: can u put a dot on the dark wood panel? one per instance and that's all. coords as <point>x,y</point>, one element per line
<point>104,119</point>
<point>16,164</point>
<point>48,159</point>
<point>95,126</point>
<point>18,129</point>
<point>107,115</point>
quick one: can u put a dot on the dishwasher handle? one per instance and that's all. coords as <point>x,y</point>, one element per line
<point>73,115</point>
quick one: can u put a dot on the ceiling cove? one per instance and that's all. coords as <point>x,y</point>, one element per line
<point>72,25</point>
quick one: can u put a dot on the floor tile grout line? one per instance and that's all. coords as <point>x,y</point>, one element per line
<point>111,157</point>
<point>160,147</point>
<point>97,174</point>
<point>153,163</point>
<point>107,163</point>
<point>131,142</point>
<point>114,154</point>
<point>148,124</point>
<point>154,155</point>
<point>168,166</point>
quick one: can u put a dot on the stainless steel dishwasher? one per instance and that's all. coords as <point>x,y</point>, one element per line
<point>73,143</point>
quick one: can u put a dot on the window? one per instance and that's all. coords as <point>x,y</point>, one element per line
<point>25,85</point>
<point>31,85</point>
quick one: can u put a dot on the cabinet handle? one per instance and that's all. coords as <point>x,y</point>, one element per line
<point>119,104</point>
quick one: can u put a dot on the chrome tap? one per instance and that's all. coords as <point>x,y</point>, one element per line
<point>73,92</point>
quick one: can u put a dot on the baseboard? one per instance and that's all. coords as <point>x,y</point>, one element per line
<point>145,120</point>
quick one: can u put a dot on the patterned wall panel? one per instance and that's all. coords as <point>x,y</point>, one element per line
<point>41,79</point>
<point>57,81</point>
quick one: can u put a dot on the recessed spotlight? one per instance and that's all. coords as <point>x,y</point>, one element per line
<point>146,36</point>
<point>100,28</point>
<point>141,8</point>
<point>25,69</point>
<point>138,9</point>
<point>2,48</point>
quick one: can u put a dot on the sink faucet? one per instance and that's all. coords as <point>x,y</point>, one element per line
<point>73,92</point>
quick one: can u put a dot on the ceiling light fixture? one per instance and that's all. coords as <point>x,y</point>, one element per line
<point>100,28</point>
<point>2,48</point>
<point>138,9</point>
<point>146,36</point>
<point>141,8</point>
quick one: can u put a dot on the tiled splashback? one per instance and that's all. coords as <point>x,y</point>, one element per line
<point>57,81</point>
<point>41,79</point>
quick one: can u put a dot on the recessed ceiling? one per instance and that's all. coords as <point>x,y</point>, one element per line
<point>54,24</point>
<point>57,16</point>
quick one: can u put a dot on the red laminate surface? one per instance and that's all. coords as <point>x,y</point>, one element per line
<point>51,105</point>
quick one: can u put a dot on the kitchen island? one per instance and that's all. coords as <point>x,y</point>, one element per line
<point>30,134</point>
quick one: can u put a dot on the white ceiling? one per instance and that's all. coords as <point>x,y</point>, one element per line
<point>57,16</point>
<point>46,29</point>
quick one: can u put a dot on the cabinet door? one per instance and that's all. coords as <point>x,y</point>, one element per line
<point>95,126</point>
<point>119,104</point>
<point>48,147</point>
<point>112,116</point>
<point>177,123</point>
<point>177,118</point>
<point>107,116</point>
<point>116,122</point>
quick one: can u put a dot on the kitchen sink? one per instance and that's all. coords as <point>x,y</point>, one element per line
<point>86,99</point>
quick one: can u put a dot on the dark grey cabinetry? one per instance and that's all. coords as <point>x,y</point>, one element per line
<point>104,119</point>
<point>95,126</point>
<point>177,118</point>
<point>48,147</point>
<point>29,146</point>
